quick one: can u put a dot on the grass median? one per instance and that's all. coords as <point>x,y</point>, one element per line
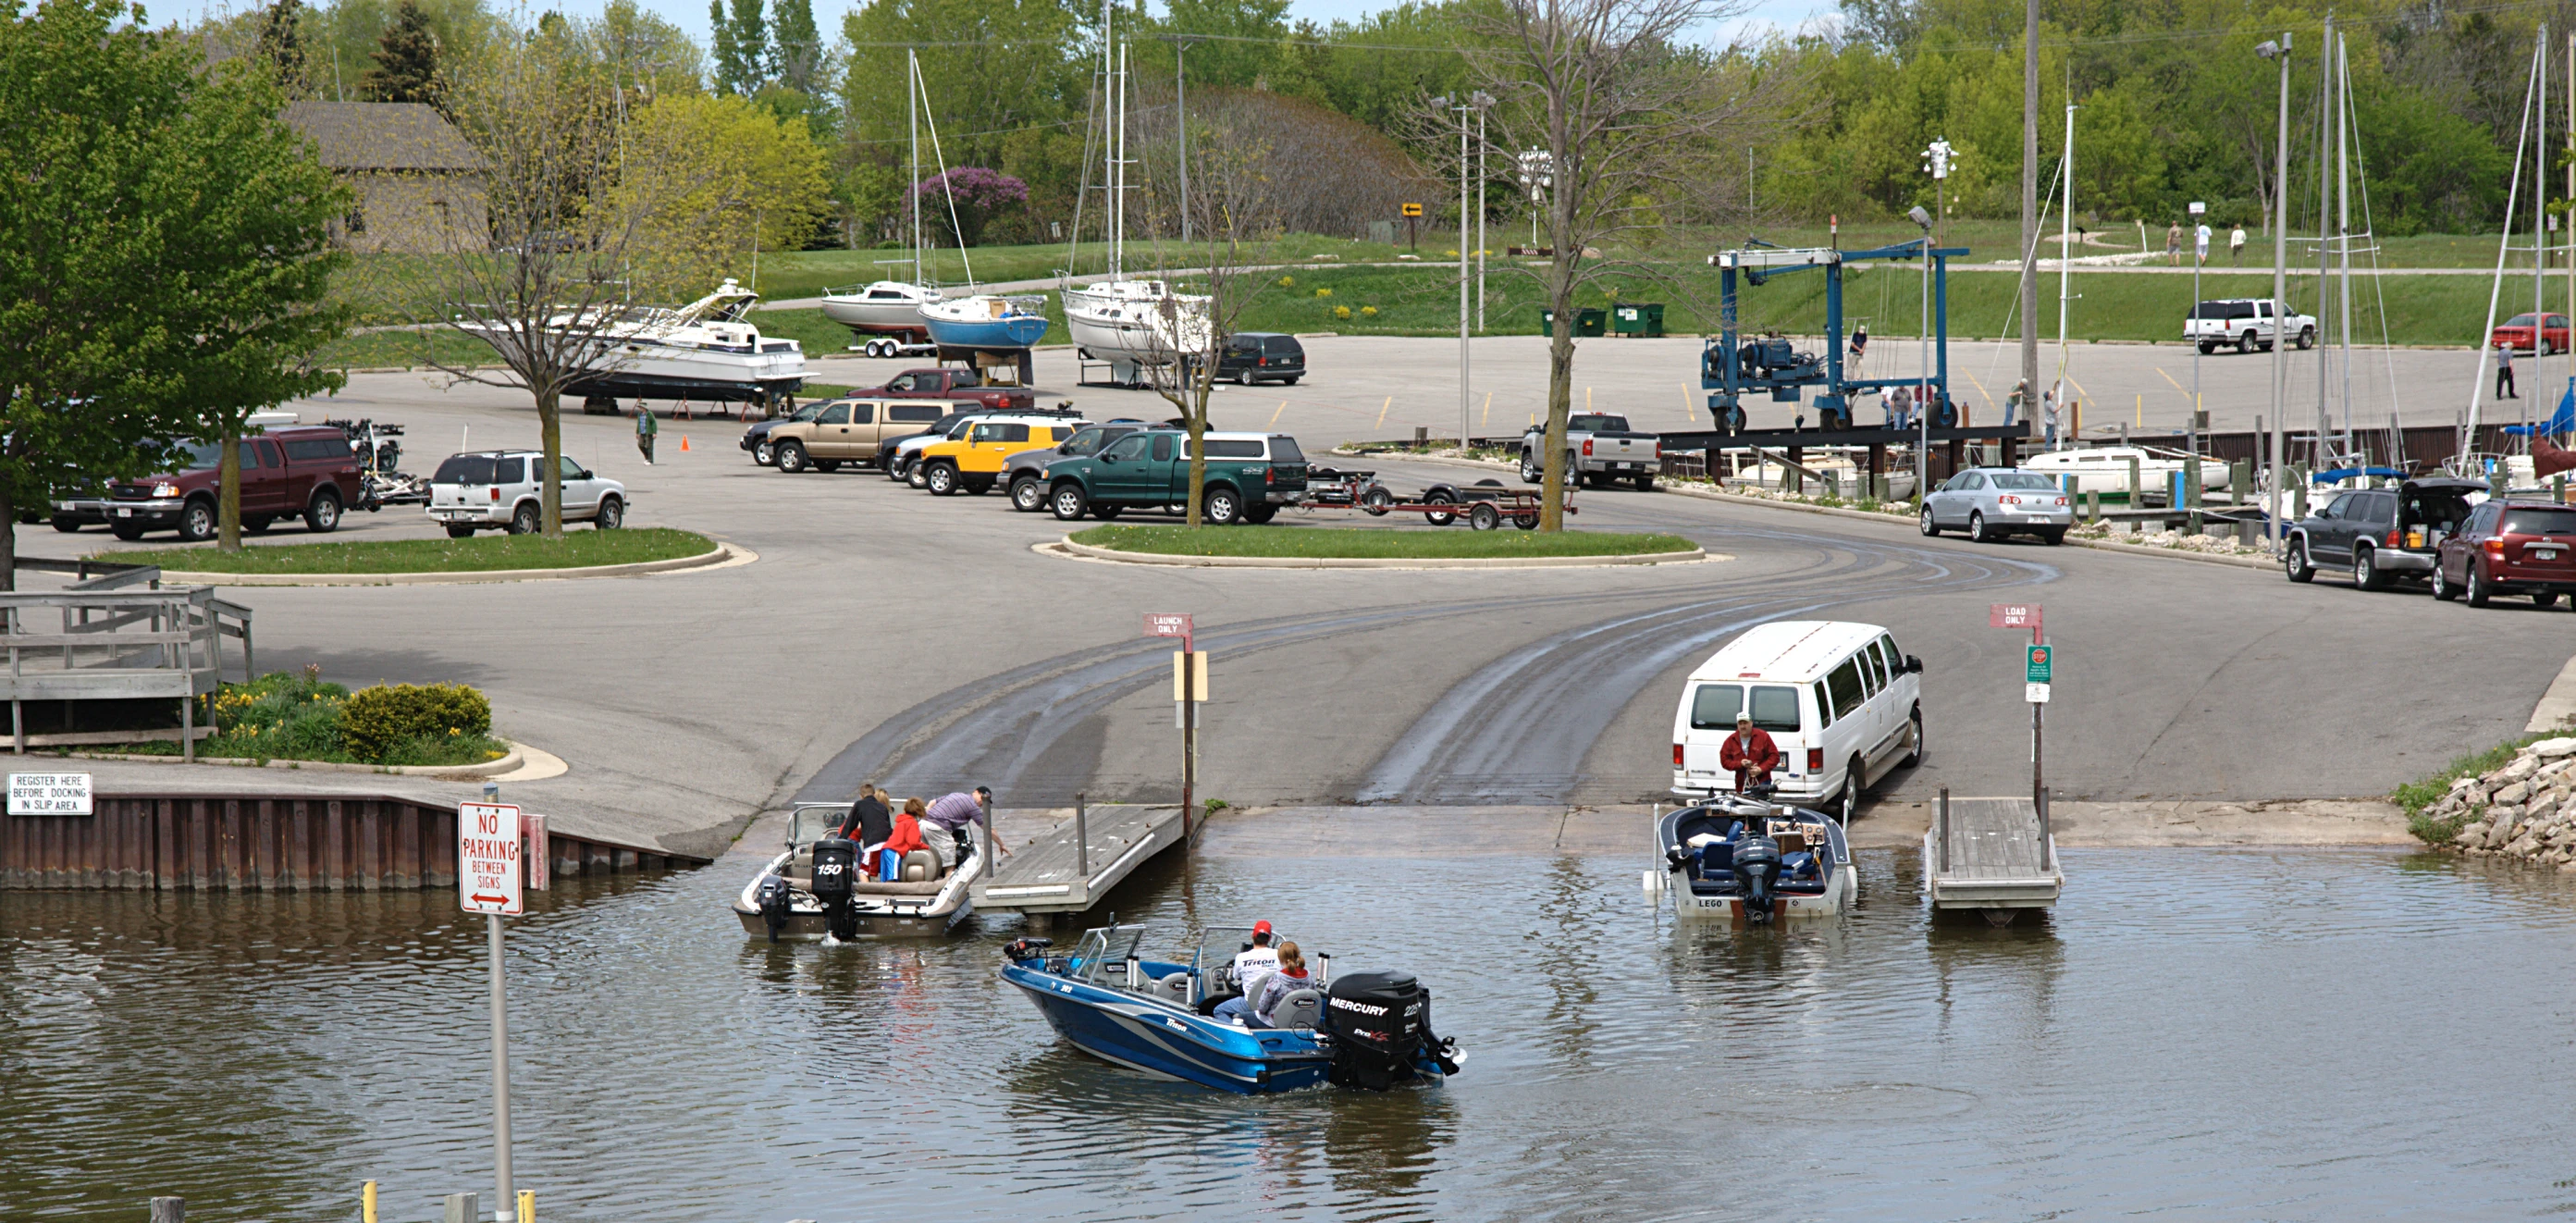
<point>1328,543</point>
<point>580,548</point>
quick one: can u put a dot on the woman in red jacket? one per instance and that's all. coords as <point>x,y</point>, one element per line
<point>1750,752</point>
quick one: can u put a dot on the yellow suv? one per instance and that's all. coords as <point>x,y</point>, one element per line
<point>976,460</point>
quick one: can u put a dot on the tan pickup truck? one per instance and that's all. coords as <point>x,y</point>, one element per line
<point>849,430</point>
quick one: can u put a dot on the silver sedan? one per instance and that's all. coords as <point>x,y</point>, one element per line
<point>1992,502</point>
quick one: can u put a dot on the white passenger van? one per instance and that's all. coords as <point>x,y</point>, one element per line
<point>1843,705</point>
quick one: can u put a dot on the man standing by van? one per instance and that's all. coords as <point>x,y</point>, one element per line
<point>1750,752</point>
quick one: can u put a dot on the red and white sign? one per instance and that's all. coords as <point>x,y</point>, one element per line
<point>487,858</point>
<point>2012,615</point>
<point>1169,624</point>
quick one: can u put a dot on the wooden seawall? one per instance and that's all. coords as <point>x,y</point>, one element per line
<point>233,842</point>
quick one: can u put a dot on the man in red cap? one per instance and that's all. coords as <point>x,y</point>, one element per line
<point>1250,965</point>
<point>1750,753</point>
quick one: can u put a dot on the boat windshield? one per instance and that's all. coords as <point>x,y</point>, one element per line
<point>1104,951</point>
<point>809,824</point>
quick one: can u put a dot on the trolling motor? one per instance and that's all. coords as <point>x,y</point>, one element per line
<point>774,898</point>
<point>835,879</point>
<point>1757,868</point>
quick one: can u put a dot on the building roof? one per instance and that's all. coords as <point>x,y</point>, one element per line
<point>382,136</point>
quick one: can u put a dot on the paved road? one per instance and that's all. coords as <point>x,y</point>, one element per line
<point>887,634</point>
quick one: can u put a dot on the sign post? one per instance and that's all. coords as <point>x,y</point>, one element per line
<point>489,881</point>
<point>1412,217</point>
<point>2038,663</point>
<point>1189,687</point>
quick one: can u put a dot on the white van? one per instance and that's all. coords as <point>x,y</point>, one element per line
<point>1842,703</point>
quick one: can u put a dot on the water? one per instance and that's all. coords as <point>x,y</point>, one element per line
<point>2202,1034</point>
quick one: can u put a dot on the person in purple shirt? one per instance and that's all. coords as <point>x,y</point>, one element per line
<point>955,813</point>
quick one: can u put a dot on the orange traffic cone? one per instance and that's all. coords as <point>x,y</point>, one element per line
<point>684,443</point>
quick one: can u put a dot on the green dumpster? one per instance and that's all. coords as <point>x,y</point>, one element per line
<point>1586,322</point>
<point>1637,318</point>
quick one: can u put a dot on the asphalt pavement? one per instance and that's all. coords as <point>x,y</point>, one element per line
<point>888,635</point>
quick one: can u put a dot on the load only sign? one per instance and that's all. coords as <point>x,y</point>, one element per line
<point>487,858</point>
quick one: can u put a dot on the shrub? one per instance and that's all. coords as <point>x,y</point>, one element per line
<point>375,720</point>
<point>1341,312</point>
<point>279,714</point>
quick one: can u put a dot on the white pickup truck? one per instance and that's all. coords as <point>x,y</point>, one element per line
<point>2246,322</point>
<point>1599,449</point>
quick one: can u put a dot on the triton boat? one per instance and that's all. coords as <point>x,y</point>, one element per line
<point>821,885</point>
<point>1370,1030</point>
<point>987,322</point>
<point>1751,861</point>
<point>706,350</point>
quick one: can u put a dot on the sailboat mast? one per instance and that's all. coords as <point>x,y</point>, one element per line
<point>2325,201</point>
<point>2570,224</point>
<point>2343,221</point>
<point>2539,221</point>
<point>912,105</point>
<point>1118,210</point>
<point>2065,250</point>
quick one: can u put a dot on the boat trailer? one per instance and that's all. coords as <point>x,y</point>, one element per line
<point>1486,504</point>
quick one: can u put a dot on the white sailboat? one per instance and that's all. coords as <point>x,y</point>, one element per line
<point>892,307</point>
<point>1129,323</point>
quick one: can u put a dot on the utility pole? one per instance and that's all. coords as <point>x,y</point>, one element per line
<point>1476,102</point>
<point>2030,196</point>
<point>1480,210</point>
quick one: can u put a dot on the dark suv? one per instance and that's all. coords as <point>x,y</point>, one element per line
<point>1026,474</point>
<point>308,472</point>
<point>2380,534</point>
<point>2510,548</point>
<point>1261,356</point>
<point>1249,477</point>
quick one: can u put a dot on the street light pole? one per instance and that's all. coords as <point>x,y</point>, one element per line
<point>1480,213</point>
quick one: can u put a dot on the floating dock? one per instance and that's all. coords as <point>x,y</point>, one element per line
<point>1995,855</point>
<point>1069,869</point>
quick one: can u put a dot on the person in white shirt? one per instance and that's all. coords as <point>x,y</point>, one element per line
<point>1250,966</point>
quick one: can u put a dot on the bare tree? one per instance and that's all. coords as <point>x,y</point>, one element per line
<point>537,264</point>
<point>1233,253</point>
<point>1633,122</point>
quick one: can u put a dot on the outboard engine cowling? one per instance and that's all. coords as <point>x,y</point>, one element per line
<point>774,905</point>
<point>1376,1020</point>
<point>836,864</point>
<point>1757,868</point>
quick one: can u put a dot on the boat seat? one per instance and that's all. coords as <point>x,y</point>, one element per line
<point>920,866</point>
<point>1174,986</point>
<point>874,887</point>
<point>1302,1008</point>
<point>1716,860</point>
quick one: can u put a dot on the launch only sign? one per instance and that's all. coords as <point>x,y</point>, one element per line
<point>487,858</point>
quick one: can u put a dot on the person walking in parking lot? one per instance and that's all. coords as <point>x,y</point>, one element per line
<point>645,428</point>
<point>1750,753</point>
<point>2504,371</point>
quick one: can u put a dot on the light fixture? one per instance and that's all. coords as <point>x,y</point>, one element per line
<point>1919,217</point>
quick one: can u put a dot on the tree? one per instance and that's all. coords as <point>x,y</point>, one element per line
<point>406,60</point>
<point>163,243</point>
<point>741,46</point>
<point>281,46</point>
<point>975,194</point>
<point>1630,120</point>
<point>711,179</point>
<point>798,48</point>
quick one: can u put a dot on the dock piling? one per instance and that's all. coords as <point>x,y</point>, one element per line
<point>464,1208</point>
<point>1081,834</point>
<point>1941,825</point>
<point>169,1210</point>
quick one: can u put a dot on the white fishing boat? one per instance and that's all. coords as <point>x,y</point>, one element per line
<point>1750,861</point>
<point>887,307</point>
<point>707,350</point>
<point>824,885</point>
<point>2105,469</point>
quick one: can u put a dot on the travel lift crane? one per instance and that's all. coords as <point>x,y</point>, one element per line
<point>1732,367</point>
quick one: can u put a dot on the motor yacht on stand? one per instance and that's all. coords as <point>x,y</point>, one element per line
<point>706,350</point>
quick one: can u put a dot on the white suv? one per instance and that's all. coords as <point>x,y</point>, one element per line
<point>505,489</point>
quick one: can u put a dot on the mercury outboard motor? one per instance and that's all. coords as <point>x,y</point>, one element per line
<point>774,905</point>
<point>1757,867</point>
<point>836,861</point>
<point>1377,1021</point>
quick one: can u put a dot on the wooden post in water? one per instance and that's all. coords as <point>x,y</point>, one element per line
<point>169,1210</point>
<point>464,1208</point>
<point>2047,848</point>
<point>1081,836</point>
<point>1941,832</point>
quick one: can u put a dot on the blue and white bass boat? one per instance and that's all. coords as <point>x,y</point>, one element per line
<point>1370,1030</point>
<point>986,322</point>
<point>1747,860</point>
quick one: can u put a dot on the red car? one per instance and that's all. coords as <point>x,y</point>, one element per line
<point>2517,332</point>
<point>2509,548</point>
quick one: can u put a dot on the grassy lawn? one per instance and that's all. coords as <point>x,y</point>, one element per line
<point>1339,543</point>
<point>580,546</point>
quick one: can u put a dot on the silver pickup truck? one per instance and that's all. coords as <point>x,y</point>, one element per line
<point>1599,449</point>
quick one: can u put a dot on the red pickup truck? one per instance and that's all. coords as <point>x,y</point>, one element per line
<point>954,384</point>
<point>308,472</point>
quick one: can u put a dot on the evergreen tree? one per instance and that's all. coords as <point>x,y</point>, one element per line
<point>281,47</point>
<point>742,46</point>
<point>406,60</point>
<point>799,49</point>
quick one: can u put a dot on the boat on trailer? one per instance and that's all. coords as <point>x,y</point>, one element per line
<point>1750,861</point>
<point>1370,1030</point>
<point>821,886</point>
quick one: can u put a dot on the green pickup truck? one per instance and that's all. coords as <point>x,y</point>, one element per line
<point>1249,476</point>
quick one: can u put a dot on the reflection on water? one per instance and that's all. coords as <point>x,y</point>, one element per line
<point>2218,1034</point>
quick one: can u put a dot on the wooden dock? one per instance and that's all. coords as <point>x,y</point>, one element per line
<point>1068,869</point>
<point>1991,854</point>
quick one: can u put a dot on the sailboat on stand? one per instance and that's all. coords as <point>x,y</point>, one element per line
<point>888,312</point>
<point>1131,324</point>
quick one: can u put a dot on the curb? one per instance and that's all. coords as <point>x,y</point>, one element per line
<point>1068,548</point>
<point>2099,545</point>
<point>490,768</point>
<point>722,553</point>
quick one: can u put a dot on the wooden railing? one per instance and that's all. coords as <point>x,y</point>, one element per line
<point>93,645</point>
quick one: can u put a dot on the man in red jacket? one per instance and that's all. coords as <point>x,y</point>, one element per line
<point>1751,753</point>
